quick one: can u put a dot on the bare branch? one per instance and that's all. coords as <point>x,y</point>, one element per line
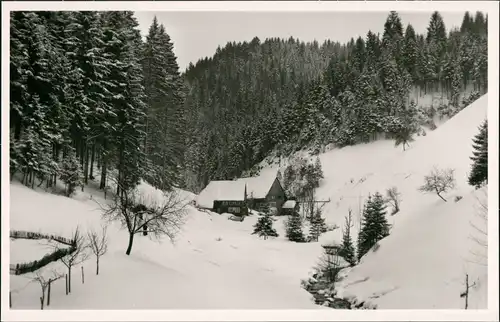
<point>394,198</point>
<point>98,244</point>
<point>439,181</point>
<point>138,215</point>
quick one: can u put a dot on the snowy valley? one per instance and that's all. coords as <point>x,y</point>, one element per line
<point>275,174</point>
<point>217,263</point>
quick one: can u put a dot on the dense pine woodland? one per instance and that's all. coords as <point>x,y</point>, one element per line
<point>90,98</point>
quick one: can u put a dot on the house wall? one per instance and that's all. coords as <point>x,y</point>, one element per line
<point>276,196</point>
<point>233,207</point>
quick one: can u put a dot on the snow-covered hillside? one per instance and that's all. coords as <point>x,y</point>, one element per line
<point>217,263</point>
<point>423,263</point>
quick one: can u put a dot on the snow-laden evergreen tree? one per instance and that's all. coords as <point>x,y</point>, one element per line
<point>264,227</point>
<point>467,23</point>
<point>318,226</point>
<point>71,173</point>
<point>479,171</point>
<point>123,42</point>
<point>374,226</point>
<point>392,38</point>
<point>347,250</point>
<point>372,50</point>
<point>164,142</point>
<point>410,52</point>
<point>94,116</point>
<point>294,230</point>
<point>36,109</point>
<point>436,40</point>
<point>404,136</point>
<point>456,84</point>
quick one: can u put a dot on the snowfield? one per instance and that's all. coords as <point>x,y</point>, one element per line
<point>216,263</point>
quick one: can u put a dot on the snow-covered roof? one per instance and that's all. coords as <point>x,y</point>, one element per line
<point>258,187</point>
<point>222,191</point>
<point>289,204</point>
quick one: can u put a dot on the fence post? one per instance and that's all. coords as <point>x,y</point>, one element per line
<point>48,293</point>
<point>83,277</point>
<point>66,284</point>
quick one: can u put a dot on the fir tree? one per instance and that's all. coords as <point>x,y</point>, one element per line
<point>347,250</point>
<point>264,227</point>
<point>467,23</point>
<point>403,137</point>
<point>456,84</point>
<point>318,226</point>
<point>165,124</point>
<point>374,224</point>
<point>71,173</point>
<point>294,228</point>
<point>479,172</point>
<point>123,43</point>
<point>410,52</point>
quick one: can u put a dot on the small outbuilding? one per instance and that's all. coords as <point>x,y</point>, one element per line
<point>289,207</point>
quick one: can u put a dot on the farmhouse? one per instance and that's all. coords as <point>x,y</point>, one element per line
<point>224,197</point>
<point>264,191</point>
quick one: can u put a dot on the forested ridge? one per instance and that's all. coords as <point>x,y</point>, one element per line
<point>254,97</point>
<point>88,94</point>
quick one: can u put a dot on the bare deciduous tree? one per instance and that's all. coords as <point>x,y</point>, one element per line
<point>480,235</point>
<point>308,202</point>
<point>78,256</point>
<point>44,283</point>
<point>439,181</point>
<point>137,215</point>
<point>394,198</point>
<point>465,294</point>
<point>98,244</point>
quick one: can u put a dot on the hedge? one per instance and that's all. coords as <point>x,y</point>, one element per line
<point>29,267</point>
<point>19,234</point>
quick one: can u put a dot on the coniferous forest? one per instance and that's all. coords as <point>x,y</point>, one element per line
<point>90,97</point>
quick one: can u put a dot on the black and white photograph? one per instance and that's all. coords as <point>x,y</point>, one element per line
<point>249,160</point>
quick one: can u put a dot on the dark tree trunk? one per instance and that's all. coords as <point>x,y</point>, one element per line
<point>82,155</point>
<point>130,242</point>
<point>91,176</point>
<point>86,168</point>
<point>97,266</point>
<point>103,173</point>
<point>439,195</point>
<point>69,279</point>
<point>48,293</point>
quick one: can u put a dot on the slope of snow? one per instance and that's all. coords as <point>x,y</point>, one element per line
<point>218,263</point>
<point>423,263</point>
<point>215,263</point>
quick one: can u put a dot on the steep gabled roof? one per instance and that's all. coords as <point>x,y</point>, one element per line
<point>222,191</point>
<point>258,187</point>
